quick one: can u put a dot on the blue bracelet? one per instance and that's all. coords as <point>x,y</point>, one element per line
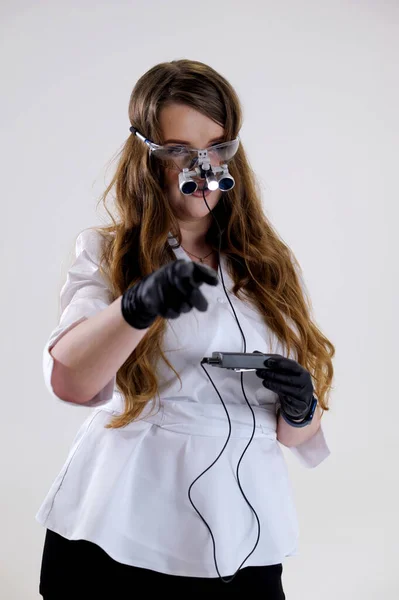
<point>306,420</point>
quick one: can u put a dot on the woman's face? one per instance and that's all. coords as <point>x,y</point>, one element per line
<point>183,125</point>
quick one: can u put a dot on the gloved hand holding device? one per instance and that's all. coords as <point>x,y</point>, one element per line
<point>293,384</point>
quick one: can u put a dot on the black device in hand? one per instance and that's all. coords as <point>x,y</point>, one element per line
<point>237,361</point>
<point>169,291</point>
<point>284,376</point>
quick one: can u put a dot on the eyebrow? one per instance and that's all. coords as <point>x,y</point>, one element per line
<point>173,141</point>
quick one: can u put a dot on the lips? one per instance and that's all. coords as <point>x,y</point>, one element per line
<point>200,192</point>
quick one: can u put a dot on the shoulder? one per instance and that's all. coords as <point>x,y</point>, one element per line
<point>90,241</point>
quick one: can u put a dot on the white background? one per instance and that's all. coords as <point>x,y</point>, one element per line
<point>319,86</point>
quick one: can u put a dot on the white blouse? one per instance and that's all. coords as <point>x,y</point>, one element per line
<point>126,489</point>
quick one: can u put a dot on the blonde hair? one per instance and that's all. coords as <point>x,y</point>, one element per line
<point>262,266</point>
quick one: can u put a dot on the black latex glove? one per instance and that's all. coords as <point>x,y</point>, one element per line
<point>292,383</point>
<point>169,291</point>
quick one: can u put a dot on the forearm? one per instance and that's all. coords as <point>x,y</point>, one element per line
<point>294,436</point>
<point>88,356</point>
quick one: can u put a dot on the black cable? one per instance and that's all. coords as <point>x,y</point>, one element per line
<point>228,580</point>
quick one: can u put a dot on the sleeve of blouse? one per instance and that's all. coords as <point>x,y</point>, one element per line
<point>312,452</point>
<point>84,293</point>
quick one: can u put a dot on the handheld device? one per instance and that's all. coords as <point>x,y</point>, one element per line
<point>237,361</point>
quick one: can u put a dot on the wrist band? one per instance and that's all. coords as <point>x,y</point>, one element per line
<point>306,420</point>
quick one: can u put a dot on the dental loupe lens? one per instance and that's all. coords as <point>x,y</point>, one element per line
<point>188,187</point>
<point>226,184</point>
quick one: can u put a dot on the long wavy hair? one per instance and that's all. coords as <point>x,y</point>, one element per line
<point>262,266</point>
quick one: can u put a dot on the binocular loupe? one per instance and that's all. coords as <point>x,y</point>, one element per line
<point>215,177</point>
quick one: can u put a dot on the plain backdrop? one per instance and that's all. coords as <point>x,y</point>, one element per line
<point>318,82</point>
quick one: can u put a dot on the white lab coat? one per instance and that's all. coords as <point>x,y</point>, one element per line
<point>127,489</point>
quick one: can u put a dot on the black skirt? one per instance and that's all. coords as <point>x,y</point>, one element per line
<point>81,569</point>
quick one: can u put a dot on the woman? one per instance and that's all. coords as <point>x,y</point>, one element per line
<point>177,477</point>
